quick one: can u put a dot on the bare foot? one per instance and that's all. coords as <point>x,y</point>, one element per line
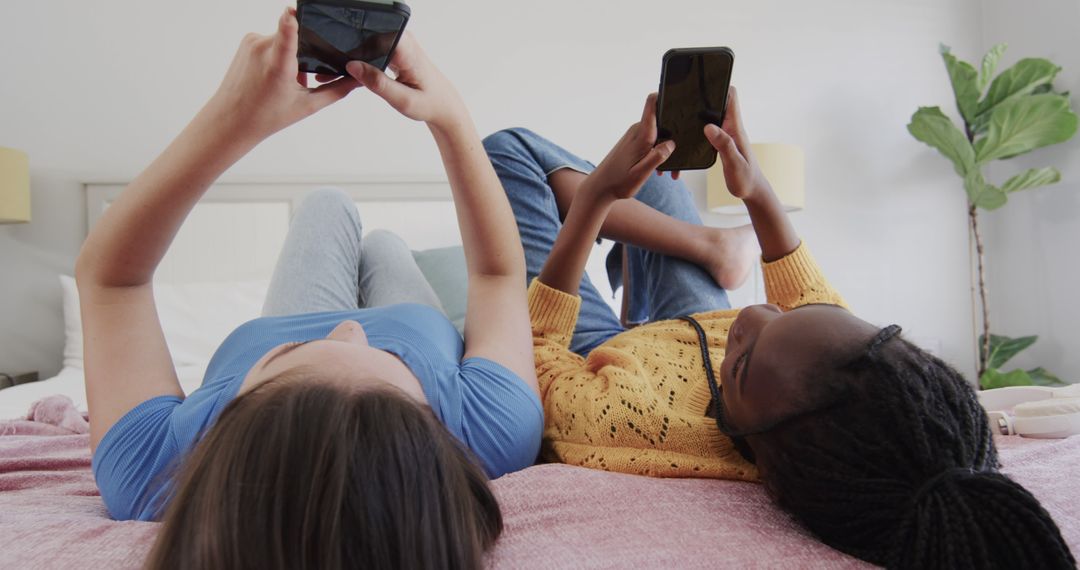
<point>732,254</point>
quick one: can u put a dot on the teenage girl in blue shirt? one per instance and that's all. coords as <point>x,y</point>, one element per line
<point>344,429</point>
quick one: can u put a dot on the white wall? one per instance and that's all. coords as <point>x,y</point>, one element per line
<point>94,90</point>
<point>1032,241</point>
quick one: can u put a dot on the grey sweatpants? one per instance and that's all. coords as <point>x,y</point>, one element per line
<point>327,264</point>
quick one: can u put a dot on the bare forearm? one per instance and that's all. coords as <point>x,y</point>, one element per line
<point>488,230</point>
<point>565,264</point>
<point>128,243</point>
<point>775,233</point>
<point>641,225</point>
<point>636,223</point>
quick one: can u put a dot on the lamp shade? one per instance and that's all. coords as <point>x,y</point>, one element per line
<point>784,166</point>
<point>14,186</point>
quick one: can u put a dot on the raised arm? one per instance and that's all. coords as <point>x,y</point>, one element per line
<point>775,233</point>
<point>126,358</point>
<point>496,318</point>
<point>620,175</point>
<point>792,277</point>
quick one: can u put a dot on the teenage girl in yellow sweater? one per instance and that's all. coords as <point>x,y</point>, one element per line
<point>879,448</point>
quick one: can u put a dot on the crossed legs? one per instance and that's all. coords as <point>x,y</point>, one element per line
<point>327,264</point>
<point>675,266</point>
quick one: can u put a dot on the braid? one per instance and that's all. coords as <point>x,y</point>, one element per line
<point>980,520</point>
<point>902,470</point>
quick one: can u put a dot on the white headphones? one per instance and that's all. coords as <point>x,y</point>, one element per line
<point>1033,411</point>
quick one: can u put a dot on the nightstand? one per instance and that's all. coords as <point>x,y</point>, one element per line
<point>9,380</point>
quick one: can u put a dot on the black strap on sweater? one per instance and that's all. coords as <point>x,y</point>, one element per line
<point>706,359</point>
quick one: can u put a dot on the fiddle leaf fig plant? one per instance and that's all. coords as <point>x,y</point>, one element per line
<point>1003,348</point>
<point>1002,116</point>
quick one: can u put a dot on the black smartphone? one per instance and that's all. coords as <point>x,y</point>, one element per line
<point>335,32</point>
<point>693,93</point>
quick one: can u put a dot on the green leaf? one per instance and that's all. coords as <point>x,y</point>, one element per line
<point>1048,88</point>
<point>989,65</point>
<point>997,379</point>
<point>932,127</point>
<point>984,195</point>
<point>1003,348</point>
<point>1021,125</point>
<point>1041,377</point>
<point>1017,81</point>
<point>964,80</point>
<point>979,125</point>
<point>1032,178</point>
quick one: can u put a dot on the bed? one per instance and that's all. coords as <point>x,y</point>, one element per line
<point>556,516</point>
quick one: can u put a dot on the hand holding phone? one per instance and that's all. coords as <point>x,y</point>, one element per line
<point>693,93</point>
<point>259,94</point>
<point>419,91</point>
<point>633,159</point>
<point>741,171</point>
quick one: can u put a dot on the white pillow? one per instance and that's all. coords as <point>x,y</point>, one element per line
<point>196,317</point>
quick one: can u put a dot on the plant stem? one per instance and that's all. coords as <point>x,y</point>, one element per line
<point>984,349</point>
<point>973,221</point>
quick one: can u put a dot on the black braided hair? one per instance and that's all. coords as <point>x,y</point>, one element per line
<point>901,470</point>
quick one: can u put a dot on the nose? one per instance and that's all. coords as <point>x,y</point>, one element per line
<point>751,319</point>
<point>348,331</point>
<point>770,308</point>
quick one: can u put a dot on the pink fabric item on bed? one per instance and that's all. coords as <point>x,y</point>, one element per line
<point>556,516</point>
<point>52,415</point>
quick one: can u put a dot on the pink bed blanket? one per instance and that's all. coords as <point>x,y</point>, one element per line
<point>556,516</point>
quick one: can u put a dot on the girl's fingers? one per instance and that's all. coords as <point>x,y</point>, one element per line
<point>734,115</point>
<point>724,145</point>
<point>648,120</point>
<point>650,108</point>
<point>329,93</point>
<point>653,159</point>
<point>396,94</point>
<point>286,38</point>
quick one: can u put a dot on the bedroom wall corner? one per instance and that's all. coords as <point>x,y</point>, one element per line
<point>31,258</point>
<point>1032,241</point>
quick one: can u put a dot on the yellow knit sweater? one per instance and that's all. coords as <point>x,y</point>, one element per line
<point>637,403</point>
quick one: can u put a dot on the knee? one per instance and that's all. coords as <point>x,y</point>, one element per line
<point>508,142</point>
<point>327,203</point>
<point>326,197</point>
<point>511,152</point>
<point>671,197</point>
<point>384,240</point>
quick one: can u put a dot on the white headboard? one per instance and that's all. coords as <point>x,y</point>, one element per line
<point>236,231</point>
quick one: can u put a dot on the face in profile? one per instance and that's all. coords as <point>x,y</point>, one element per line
<point>774,360</point>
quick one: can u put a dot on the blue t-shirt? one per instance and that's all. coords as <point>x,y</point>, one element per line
<point>486,406</point>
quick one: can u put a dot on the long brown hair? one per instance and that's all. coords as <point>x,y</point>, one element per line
<point>306,474</point>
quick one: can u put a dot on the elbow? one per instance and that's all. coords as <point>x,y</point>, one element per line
<point>85,267</point>
<point>513,268</point>
<point>92,272</point>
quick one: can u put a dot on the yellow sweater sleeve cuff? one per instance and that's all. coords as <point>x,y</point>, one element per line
<point>796,279</point>
<point>552,312</point>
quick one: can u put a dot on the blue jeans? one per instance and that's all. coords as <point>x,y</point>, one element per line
<point>660,287</point>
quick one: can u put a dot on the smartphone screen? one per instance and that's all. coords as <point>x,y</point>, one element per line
<point>693,93</point>
<point>332,33</point>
